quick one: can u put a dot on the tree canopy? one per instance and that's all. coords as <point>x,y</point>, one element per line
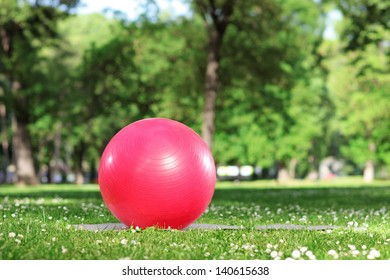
<point>257,79</point>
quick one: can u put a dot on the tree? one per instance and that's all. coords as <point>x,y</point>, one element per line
<point>360,81</point>
<point>24,28</point>
<point>216,16</point>
<point>360,90</point>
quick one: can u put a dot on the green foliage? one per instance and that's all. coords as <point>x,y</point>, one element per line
<point>284,94</point>
<point>360,81</point>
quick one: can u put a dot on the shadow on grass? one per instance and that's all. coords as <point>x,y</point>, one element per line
<point>35,193</point>
<point>321,198</point>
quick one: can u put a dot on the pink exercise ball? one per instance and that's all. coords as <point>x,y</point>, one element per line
<point>157,172</point>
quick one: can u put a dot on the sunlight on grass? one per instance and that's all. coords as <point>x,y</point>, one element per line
<point>38,223</point>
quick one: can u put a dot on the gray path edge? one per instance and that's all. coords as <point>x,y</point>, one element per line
<point>119,226</point>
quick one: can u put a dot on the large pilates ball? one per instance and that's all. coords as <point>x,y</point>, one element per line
<point>157,172</point>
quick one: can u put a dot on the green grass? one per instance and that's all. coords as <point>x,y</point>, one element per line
<point>37,223</point>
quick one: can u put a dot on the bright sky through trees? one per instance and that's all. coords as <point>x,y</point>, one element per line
<point>132,8</point>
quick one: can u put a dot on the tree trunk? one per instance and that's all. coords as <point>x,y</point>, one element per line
<point>292,168</point>
<point>216,20</point>
<point>369,169</point>
<point>55,161</point>
<point>25,170</point>
<point>369,172</point>
<point>282,173</point>
<point>208,126</point>
<point>79,164</point>
<point>4,142</point>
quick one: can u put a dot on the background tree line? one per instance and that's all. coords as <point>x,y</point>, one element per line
<point>257,79</point>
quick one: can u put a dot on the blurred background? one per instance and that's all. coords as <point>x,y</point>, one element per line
<point>283,89</point>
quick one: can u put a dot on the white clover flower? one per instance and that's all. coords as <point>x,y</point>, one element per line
<point>309,253</point>
<point>99,241</point>
<point>134,242</point>
<point>12,234</point>
<point>296,254</point>
<point>274,254</point>
<point>17,240</point>
<point>20,235</point>
<point>64,250</point>
<point>207,254</point>
<point>373,254</point>
<point>303,249</point>
<point>332,252</point>
<point>124,242</point>
<point>355,252</point>
<point>54,239</point>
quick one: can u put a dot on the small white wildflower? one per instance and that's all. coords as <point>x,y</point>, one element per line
<point>355,252</point>
<point>99,241</point>
<point>124,241</point>
<point>207,254</point>
<point>303,249</point>
<point>13,215</point>
<point>64,250</point>
<point>373,254</point>
<point>274,254</point>
<point>296,254</point>
<point>333,253</point>
<point>12,234</point>
<point>309,253</point>
<point>352,247</point>
<point>54,239</point>
<point>50,217</point>
<point>134,242</point>
<point>20,235</point>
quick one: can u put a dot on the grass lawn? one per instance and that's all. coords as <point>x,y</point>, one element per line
<point>37,223</point>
